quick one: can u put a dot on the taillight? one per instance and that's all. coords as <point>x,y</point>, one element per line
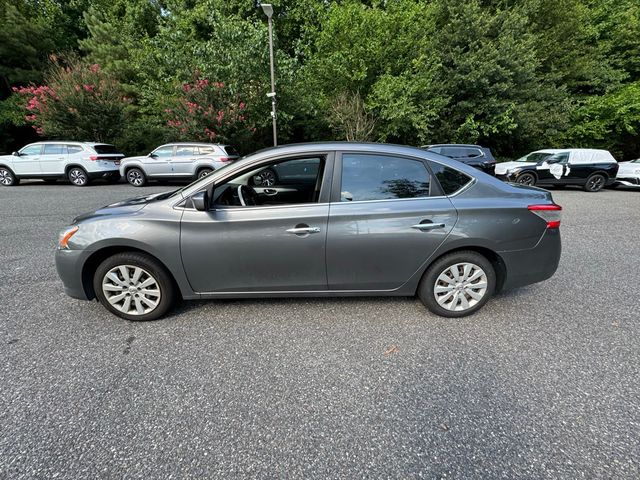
<point>225,159</point>
<point>550,213</point>
<point>93,158</point>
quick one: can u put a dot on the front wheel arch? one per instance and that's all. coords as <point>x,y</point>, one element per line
<point>91,264</point>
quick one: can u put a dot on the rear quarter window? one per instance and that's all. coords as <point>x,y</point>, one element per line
<point>450,179</point>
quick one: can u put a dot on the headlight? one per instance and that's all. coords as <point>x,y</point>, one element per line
<point>65,236</point>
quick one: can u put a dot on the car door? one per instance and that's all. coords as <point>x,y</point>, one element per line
<point>386,218</point>
<point>27,162</point>
<point>53,159</point>
<point>267,248</point>
<point>553,169</point>
<point>183,160</point>
<point>158,162</point>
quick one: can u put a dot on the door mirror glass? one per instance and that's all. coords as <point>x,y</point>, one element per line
<point>200,201</point>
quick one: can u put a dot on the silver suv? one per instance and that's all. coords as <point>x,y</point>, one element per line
<point>79,162</point>
<point>177,161</point>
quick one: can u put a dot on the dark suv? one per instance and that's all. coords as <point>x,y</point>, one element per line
<point>474,155</point>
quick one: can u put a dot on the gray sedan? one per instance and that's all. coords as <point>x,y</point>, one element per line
<point>347,219</point>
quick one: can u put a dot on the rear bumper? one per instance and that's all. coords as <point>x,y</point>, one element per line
<point>69,265</point>
<point>524,267</point>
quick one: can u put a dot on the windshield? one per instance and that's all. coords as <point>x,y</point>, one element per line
<point>200,180</point>
<point>534,157</point>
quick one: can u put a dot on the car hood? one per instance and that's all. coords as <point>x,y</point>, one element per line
<point>124,207</point>
<point>501,168</point>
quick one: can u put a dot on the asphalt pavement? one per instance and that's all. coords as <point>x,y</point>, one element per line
<point>544,382</point>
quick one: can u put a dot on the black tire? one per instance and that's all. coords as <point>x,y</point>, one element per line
<point>203,172</point>
<point>136,177</point>
<point>595,183</point>
<point>7,178</point>
<point>78,177</point>
<point>426,289</point>
<point>526,178</point>
<point>155,270</point>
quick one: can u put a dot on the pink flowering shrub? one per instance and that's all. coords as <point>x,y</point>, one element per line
<point>78,102</point>
<point>208,111</point>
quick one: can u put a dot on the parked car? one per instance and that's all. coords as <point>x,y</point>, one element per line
<point>79,162</point>
<point>177,161</point>
<point>474,155</point>
<point>589,168</point>
<point>378,219</point>
<point>628,174</point>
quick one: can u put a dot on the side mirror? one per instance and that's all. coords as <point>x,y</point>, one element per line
<point>15,154</point>
<point>200,201</point>
<point>152,155</point>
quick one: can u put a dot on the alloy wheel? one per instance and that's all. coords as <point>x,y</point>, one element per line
<point>131,290</point>
<point>267,178</point>
<point>135,178</point>
<point>6,178</point>
<point>595,183</point>
<point>204,173</point>
<point>77,177</point>
<point>460,287</point>
<point>526,179</point>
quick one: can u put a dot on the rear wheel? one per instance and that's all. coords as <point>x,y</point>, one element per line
<point>457,284</point>
<point>136,177</point>
<point>134,286</point>
<point>526,179</point>
<point>204,172</point>
<point>7,178</point>
<point>595,182</point>
<point>78,177</point>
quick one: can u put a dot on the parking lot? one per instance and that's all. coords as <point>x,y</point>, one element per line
<point>544,382</point>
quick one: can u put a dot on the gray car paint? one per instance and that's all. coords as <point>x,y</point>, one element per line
<point>368,247</point>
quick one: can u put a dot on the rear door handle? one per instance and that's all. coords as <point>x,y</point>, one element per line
<point>427,226</point>
<point>303,230</point>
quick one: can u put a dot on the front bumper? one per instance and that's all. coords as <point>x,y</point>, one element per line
<point>69,265</point>
<point>628,181</point>
<point>524,267</point>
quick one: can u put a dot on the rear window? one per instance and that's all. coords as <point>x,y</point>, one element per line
<point>450,179</point>
<point>104,148</point>
<point>231,151</point>
<point>378,177</point>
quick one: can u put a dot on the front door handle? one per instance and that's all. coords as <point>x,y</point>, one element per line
<point>270,191</point>
<point>427,226</point>
<point>303,230</point>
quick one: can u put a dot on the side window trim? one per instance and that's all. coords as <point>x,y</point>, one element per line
<point>336,186</point>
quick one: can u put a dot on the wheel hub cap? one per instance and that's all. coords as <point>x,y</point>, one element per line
<point>131,290</point>
<point>460,287</point>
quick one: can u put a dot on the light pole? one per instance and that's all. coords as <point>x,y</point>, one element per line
<point>268,11</point>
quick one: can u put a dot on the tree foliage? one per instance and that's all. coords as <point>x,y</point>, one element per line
<point>512,75</point>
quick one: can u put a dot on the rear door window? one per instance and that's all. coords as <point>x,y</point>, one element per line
<point>450,179</point>
<point>185,151</point>
<point>54,149</point>
<point>380,177</point>
<point>231,151</point>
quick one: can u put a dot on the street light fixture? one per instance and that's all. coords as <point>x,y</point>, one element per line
<point>267,8</point>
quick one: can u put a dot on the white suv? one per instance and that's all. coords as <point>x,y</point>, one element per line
<point>177,161</point>
<point>80,162</point>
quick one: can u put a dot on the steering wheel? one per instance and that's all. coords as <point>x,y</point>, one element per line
<point>247,196</point>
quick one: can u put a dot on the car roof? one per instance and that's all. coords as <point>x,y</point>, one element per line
<point>561,150</point>
<point>453,145</point>
<point>64,142</point>
<point>203,144</point>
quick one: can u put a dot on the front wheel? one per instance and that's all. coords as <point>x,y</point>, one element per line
<point>457,284</point>
<point>595,182</point>
<point>78,177</point>
<point>7,178</point>
<point>134,286</point>
<point>136,177</point>
<point>526,179</point>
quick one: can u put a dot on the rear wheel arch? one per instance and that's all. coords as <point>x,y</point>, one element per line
<point>96,258</point>
<point>200,168</point>
<point>495,259</point>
